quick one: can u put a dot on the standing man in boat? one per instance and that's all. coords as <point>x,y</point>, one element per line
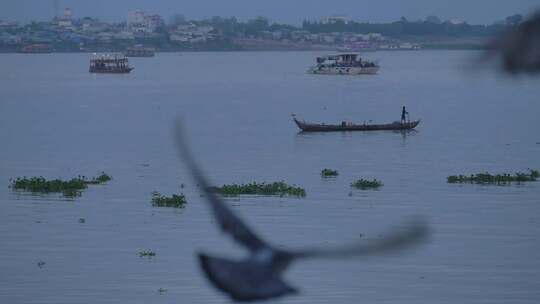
<point>404,114</point>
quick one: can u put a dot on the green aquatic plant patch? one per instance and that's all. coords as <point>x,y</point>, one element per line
<point>364,184</point>
<point>101,179</point>
<point>494,179</point>
<point>329,173</point>
<point>69,188</point>
<point>174,201</point>
<point>276,188</point>
<point>147,253</point>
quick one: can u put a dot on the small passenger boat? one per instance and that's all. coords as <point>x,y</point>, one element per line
<point>347,126</point>
<point>109,63</point>
<point>344,64</point>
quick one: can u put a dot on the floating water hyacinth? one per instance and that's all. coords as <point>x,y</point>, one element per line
<point>329,173</point>
<point>69,188</point>
<point>174,201</point>
<point>147,253</point>
<point>101,179</point>
<point>254,188</point>
<point>497,179</point>
<point>364,184</point>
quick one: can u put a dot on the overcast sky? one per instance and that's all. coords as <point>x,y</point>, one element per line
<point>287,11</point>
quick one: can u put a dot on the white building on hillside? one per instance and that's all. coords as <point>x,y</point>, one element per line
<point>135,17</point>
<point>335,19</point>
<point>65,20</point>
<point>140,22</point>
<point>456,21</point>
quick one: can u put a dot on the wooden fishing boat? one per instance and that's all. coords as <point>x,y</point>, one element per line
<point>345,126</point>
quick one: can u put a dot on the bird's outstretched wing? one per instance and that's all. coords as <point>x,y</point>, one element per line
<point>403,237</point>
<point>228,221</point>
<point>520,48</point>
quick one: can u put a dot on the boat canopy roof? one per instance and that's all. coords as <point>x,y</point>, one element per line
<point>347,57</point>
<point>344,54</point>
<point>108,57</point>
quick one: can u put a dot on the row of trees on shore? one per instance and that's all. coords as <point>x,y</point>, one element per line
<point>431,26</point>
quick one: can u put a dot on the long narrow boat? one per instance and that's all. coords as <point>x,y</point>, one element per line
<point>344,126</point>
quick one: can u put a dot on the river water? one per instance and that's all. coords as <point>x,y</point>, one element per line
<point>57,120</point>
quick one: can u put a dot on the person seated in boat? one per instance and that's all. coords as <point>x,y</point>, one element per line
<point>404,114</point>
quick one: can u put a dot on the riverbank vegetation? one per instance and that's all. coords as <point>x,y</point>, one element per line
<point>364,184</point>
<point>276,188</point>
<point>497,179</point>
<point>69,188</point>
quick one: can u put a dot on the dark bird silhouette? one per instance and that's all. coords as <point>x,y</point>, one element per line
<point>259,275</point>
<point>519,48</point>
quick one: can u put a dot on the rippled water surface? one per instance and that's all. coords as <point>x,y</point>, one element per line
<point>57,120</point>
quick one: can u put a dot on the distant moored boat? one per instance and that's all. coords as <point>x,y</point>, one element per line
<point>140,51</point>
<point>36,49</point>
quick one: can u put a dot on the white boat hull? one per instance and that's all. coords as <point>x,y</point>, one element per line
<point>344,70</point>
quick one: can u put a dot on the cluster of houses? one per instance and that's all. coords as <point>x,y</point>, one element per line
<point>191,33</point>
<point>371,41</point>
<point>140,22</point>
<point>324,38</point>
<point>6,33</point>
<point>80,32</point>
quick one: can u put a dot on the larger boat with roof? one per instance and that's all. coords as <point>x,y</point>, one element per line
<point>344,64</point>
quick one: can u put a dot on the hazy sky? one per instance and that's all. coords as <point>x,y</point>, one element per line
<point>288,11</point>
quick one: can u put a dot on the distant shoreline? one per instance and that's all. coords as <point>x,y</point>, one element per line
<point>265,48</point>
<point>256,51</point>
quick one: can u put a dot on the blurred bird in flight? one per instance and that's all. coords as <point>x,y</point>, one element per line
<point>258,276</point>
<point>519,49</point>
